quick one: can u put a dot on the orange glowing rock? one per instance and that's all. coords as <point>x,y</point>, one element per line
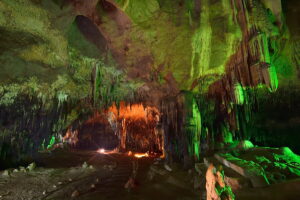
<point>135,124</point>
<point>134,111</point>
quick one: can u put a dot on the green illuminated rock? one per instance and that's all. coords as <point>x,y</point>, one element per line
<point>239,59</point>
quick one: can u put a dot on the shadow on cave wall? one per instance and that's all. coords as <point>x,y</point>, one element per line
<point>91,32</point>
<point>277,121</point>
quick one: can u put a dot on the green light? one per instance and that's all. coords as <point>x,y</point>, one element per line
<point>51,143</point>
<point>239,94</point>
<point>197,122</point>
<point>273,79</point>
<point>201,44</point>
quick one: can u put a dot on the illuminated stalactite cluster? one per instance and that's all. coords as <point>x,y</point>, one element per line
<point>39,113</point>
<point>137,127</point>
<point>252,52</point>
<point>211,45</point>
<point>251,66</point>
<point>128,127</point>
<point>201,44</point>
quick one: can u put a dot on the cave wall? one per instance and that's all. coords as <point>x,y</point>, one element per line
<point>276,121</point>
<point>50,76</point>
<point>62,59</point>
<point>181,125</point>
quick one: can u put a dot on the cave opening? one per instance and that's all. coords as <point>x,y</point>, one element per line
<point>123,128</point>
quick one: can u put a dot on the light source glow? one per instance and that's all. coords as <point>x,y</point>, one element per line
<point>103,151</point>
<point>141,155</point>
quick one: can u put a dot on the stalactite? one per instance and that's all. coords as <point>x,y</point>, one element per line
<point>252,65</point>
<point>197,130</point>
<point>201,43</point>
<point>96,84</point>
<point>239,94</point>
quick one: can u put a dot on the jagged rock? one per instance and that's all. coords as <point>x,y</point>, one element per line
<point>248,169</point>
<point>15,170</point>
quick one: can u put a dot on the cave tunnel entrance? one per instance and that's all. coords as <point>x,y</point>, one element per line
<point>123,128</point>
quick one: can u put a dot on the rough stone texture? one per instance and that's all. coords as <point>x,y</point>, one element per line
<point>143,38</point>
<point>254,172</point>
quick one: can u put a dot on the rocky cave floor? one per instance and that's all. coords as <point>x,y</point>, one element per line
<point>257,173</point>
<point>89,175</point>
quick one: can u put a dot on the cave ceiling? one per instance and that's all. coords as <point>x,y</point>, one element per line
<point>167,46</point>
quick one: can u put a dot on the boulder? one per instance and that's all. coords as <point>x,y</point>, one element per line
<point>31,167</point>
<point>247,169</point>
<point>245,145</point>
